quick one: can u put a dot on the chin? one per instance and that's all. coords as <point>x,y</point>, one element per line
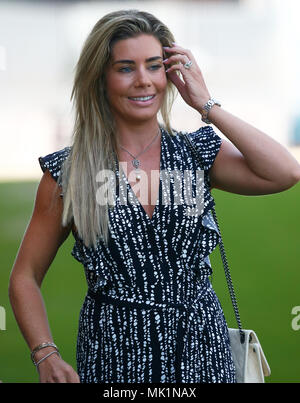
<point>142,116</point>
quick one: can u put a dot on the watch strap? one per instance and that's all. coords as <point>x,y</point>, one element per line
<point>207,107</point>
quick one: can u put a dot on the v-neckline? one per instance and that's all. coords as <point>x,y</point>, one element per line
<point>129,188</point>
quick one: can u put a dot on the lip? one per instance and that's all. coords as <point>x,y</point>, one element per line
<point>142,103</point>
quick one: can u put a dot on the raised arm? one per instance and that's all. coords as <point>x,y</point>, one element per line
<point>43,237</point>
<point>251,163</point>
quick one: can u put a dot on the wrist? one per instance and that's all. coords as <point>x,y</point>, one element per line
<point>49,360</point>
<point>42,353</point>
<point>201,103</point>
<point>206,108</point>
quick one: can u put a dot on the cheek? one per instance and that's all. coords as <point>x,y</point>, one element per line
<point>120,83</point>
<point>116,85</point>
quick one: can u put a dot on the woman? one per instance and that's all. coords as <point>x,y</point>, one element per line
<point>150,314</point>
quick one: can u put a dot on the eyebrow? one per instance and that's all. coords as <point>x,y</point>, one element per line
<point>150,59</point>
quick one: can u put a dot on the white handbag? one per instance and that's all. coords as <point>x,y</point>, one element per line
<point>249,360</point>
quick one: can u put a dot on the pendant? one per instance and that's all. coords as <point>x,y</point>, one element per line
<point>136,163</point>
<point>137,175</point>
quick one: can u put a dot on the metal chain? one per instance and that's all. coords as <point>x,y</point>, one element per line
<point>154,138</point>
<point>223,255</point>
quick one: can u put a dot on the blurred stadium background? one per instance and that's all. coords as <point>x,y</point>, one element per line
<point>249,53</point>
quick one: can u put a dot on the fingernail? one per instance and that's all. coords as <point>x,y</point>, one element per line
<point>164,61</point>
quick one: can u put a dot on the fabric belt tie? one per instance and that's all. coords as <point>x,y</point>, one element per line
<point>188,312</point>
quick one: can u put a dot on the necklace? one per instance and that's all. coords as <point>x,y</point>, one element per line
<point>136,162</point>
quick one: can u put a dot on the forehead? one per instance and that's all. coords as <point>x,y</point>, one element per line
<point>142,46</point>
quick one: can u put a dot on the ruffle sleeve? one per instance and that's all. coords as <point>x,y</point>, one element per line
<point>53,162</point>
<point>207,143</point>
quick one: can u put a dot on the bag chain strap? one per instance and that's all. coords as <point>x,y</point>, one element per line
<point>223,255</point>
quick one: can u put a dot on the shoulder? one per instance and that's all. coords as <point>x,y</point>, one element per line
<point>206,138</point>
<point>53,161</point>
<point>206,142</point>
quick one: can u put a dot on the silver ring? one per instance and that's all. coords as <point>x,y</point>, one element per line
<point>188,64</point>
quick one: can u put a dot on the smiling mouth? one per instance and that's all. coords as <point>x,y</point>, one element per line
<point>143,99</point>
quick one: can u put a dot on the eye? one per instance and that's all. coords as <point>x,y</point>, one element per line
<point>126,69</point>
<point>155,66</point>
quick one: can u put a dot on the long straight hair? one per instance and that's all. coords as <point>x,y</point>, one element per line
<point>93,137</point>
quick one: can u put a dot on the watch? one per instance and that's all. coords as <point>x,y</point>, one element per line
<point>207,107</point>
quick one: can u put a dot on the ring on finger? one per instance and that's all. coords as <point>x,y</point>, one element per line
<point>188,64</point>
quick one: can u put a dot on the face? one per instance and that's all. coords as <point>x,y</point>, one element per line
<point>135,79</point>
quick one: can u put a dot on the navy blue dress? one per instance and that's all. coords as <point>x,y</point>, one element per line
<point>150,313</point>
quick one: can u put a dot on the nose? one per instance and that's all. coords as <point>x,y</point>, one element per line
<point>142,78</point>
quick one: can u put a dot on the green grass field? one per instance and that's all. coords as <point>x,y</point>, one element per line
<point>262,240</point>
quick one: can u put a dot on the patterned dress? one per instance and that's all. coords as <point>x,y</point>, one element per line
<point>150,313</point>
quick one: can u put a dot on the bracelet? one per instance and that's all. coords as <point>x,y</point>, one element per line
<point>46,356</point>
<point>39,347</point>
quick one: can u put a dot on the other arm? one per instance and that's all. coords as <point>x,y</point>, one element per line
<point>41,241</point>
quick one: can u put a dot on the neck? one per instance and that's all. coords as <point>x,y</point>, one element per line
<point>136,137</point>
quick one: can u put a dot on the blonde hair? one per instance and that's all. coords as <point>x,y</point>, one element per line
<point>93,138</point>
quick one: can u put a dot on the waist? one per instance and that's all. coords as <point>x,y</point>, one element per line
<point>148,304</point>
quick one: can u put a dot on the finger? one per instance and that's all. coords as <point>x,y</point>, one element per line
<point>178,49</point>
<point>74,378</point>
<point>176,80</point>
<point>174,76</point>
<point>174,50</point>
<point>176,58</point>
<point>71,375</point>
<point>181,68</point>
<point>182,49</point>
<point>176,67</point>
<point>180,58</point>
